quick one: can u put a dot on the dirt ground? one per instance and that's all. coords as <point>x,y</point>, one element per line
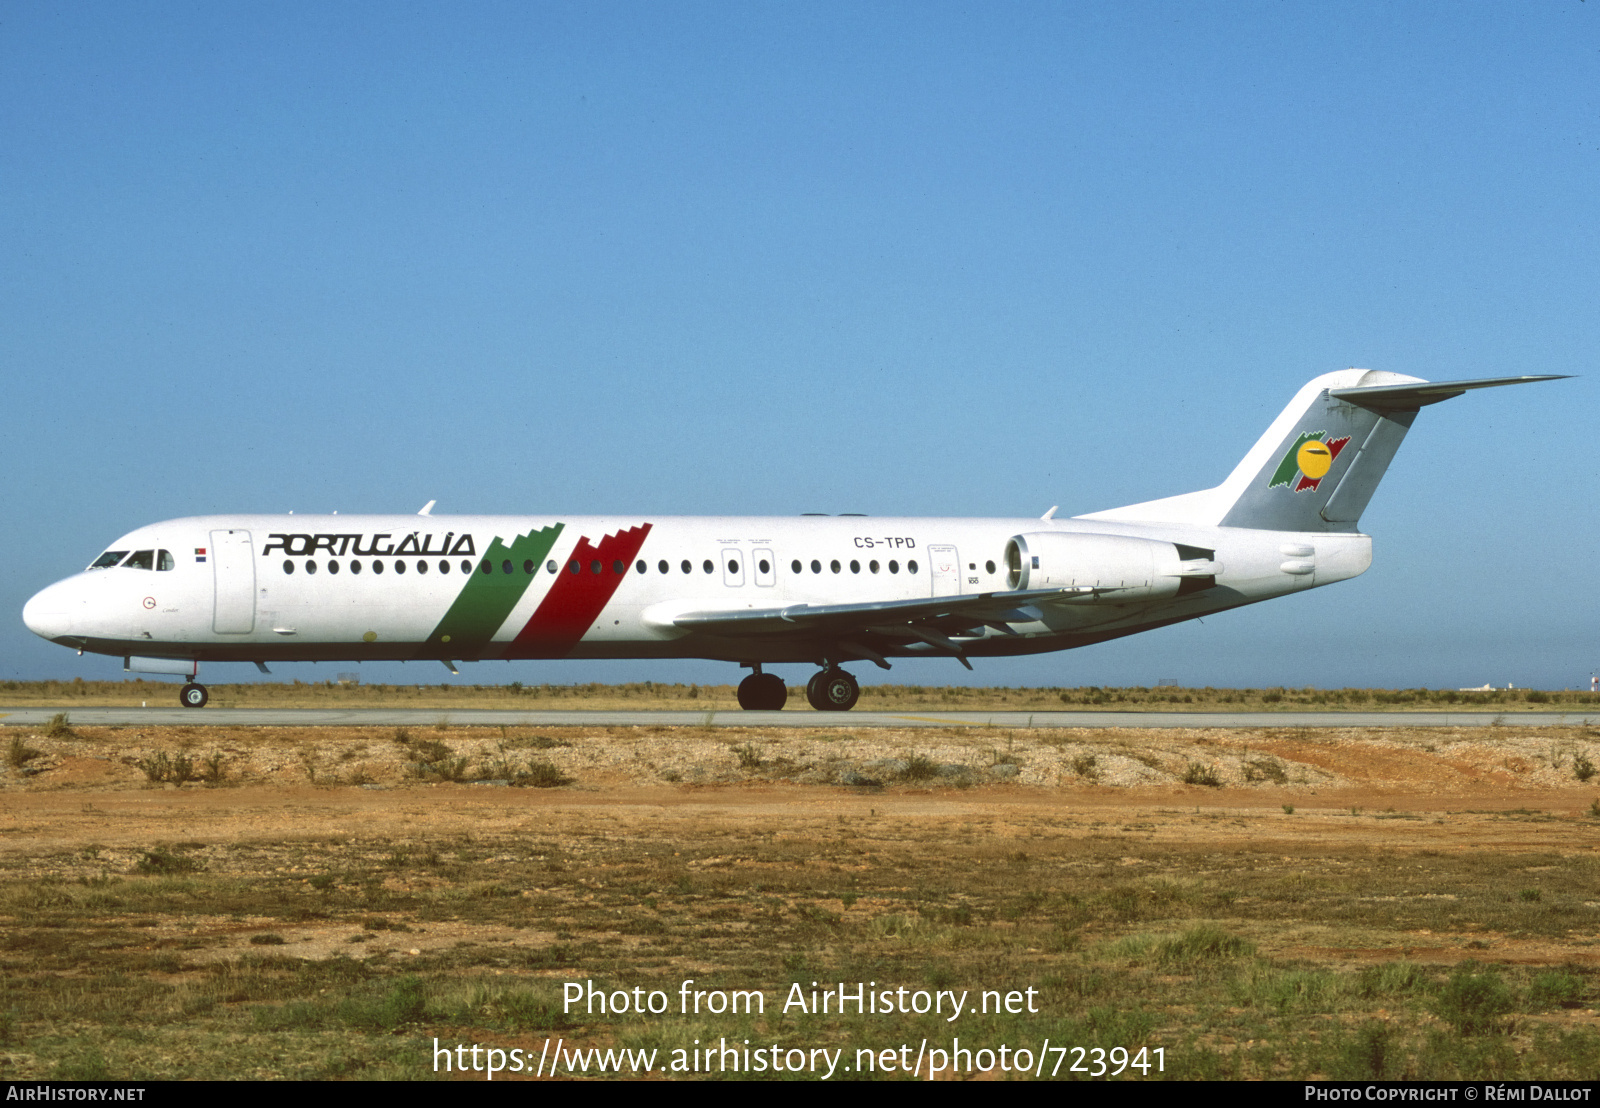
<point>1292,793</point>
<point>270,895</point>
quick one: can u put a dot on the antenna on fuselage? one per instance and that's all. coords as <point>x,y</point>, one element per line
<point>427,508</point>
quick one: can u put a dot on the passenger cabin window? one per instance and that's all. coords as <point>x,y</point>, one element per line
<point>109,559</point>
<point>141,559</point>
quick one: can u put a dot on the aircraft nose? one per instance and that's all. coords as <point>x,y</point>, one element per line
<point>49,613</point>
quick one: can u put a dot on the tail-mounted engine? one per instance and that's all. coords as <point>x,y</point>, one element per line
<point>1116,568</point>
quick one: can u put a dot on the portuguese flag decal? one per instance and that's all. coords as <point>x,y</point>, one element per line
<point>1309,459</point>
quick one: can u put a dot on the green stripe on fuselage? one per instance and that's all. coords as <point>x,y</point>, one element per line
<point>487,599</point>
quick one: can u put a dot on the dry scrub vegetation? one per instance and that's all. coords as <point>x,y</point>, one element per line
<point>1288,903</point>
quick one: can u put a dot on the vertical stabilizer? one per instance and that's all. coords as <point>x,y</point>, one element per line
<point>1318,465</point>
<point>1325,465</point>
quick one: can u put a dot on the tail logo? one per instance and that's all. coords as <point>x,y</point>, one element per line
<point>1309,459</point>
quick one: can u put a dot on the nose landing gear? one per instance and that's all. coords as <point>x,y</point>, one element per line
<point>832,690</point>
<point>193,695</point>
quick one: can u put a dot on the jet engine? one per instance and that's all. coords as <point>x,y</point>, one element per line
<point>1117,568</point>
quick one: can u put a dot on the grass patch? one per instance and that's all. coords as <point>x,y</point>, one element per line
<point>19,754</point>
<point>542,775</point>
<point>176,769</point>
<point>1201,946</point>
<point>1474,1001</point>
<point>749,757</point>
<point>162,862</point>
<point>1265,769</point>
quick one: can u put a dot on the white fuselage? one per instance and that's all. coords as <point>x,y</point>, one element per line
<point>339,587</point>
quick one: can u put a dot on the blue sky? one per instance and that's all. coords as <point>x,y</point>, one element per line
<point>902,259</point>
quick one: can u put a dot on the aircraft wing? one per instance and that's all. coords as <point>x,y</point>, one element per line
<point>853,626</point>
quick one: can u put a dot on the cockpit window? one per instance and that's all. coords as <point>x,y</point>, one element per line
<point>164,560</point>
<point>141,559</point>
<point>109,559</point>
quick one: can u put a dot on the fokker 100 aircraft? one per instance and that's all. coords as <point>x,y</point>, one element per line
<point>757,591</point>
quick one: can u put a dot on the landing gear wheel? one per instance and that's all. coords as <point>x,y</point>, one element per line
<point>763,692</point>
<point>193,695</point>
<point>833,690</point>
<point>777,693</point>
<point>811,691</point>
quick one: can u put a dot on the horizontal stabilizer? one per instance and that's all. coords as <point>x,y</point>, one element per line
<point>1394,398</point>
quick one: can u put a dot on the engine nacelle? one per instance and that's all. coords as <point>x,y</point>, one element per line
<point>1138,569</point>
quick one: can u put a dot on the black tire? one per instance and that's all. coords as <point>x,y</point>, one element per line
<point>775,694</point>
<point>833,690</point>
<point>763,692</point>
<point>813,697</point>
<point>193,695</point>
<point>750,693</point>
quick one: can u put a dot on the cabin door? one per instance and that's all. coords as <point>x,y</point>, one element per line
<point>233,565</point>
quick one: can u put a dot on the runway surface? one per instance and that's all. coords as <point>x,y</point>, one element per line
<point>473,717</point>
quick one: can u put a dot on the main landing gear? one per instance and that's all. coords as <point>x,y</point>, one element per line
<point>830,690</point>
<point>833,690</point>
<point>763,692</point>
<point>193,695</point>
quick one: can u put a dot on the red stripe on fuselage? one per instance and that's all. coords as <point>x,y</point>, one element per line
<point>576,600</point>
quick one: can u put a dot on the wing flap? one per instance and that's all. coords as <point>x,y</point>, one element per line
<point>973,610</point>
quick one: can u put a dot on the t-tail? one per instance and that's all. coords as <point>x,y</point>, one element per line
<point>1318,465</point>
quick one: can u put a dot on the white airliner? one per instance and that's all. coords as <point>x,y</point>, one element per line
<point>757,591</point>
